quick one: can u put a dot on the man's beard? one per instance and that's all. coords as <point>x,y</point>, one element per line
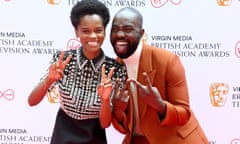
<point>130,50</point>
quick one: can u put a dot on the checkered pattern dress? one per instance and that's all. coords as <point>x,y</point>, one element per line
<point>78,118</point>
<point>78,87</point>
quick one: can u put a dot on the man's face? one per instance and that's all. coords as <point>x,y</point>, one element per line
<point>125,34</point>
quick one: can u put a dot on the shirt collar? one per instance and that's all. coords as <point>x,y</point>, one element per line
<point>134,58</point>
<point>95,63</point>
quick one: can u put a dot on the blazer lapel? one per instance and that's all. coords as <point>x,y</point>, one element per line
<point>145,65</point>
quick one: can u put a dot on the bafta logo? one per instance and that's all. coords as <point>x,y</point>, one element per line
<point>218,94</point>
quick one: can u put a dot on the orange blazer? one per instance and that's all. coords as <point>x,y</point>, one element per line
<point>179,126</point>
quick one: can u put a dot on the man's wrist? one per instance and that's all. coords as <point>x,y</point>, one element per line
<point>162,111</point>
<point>118,114</point>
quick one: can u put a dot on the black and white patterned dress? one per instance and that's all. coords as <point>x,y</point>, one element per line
<point>77,120</point>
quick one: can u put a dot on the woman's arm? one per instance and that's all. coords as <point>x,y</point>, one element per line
<point>55,73</point>
<point>105,91</point>
<point>39,92</point>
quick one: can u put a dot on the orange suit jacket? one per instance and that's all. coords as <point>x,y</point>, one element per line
<point>179,126</point>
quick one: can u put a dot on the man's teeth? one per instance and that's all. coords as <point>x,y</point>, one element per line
<point>121,43</point>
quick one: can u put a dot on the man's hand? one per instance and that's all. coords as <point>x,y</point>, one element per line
<point>120,100</point>
<point>150,94</point>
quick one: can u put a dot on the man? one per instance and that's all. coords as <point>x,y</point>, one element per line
<point>153,108</point>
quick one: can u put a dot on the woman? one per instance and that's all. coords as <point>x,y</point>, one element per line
<point>81,76</point>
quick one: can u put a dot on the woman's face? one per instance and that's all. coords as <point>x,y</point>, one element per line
<point>91,33</point>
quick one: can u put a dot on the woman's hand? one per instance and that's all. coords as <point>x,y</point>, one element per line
<point>105,87</point>
<point>57,68</point>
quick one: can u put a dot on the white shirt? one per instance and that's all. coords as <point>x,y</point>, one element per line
<point>132,64</point>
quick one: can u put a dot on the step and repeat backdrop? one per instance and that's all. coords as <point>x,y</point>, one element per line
<point>204,34</point>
